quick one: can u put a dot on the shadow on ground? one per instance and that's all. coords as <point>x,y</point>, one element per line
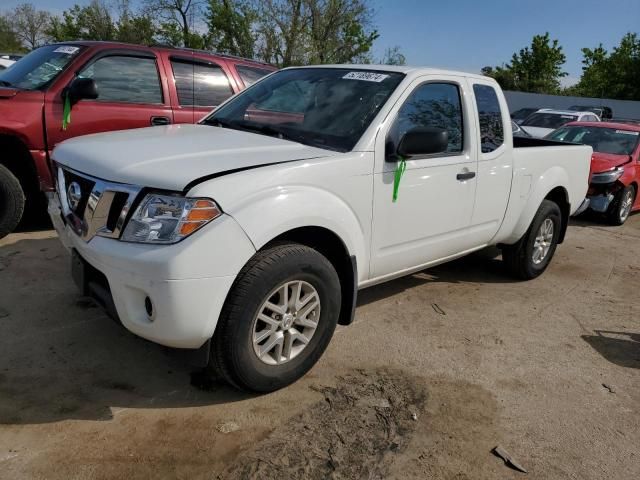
<point>620,348</point>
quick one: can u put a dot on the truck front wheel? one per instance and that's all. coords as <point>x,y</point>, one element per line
<point>12,201</point>
<point>531,255</point>
<point>278,319</point>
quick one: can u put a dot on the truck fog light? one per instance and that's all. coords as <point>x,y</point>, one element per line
<point>148,306</point>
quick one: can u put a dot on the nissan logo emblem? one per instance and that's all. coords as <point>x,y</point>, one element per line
<point>74,194</point>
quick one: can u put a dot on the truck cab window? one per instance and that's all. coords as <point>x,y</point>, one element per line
<point>430,105</point>
<point>491,128</point>
<point>125,79</point>
<point>201,85</point>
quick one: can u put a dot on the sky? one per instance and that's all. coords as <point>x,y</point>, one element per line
<point>470,34</point>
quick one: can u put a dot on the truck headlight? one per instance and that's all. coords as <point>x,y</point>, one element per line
<point>607,177</point>
<point>168,219</point>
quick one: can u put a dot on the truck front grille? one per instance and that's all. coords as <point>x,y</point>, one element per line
<point>91,206</point>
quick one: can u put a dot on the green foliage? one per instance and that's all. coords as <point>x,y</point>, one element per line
<point>230,27</point>
<point>9,41</point>
<point>611,75</point>
<point>300,32</point>
<point>92,22</point>
<point>536,69</point>
<point>29,25</point>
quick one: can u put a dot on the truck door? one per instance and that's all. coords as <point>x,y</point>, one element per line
<point>431,218</point>
<point>200,86</point>
<point>131,94</point>
<point>495,160</point>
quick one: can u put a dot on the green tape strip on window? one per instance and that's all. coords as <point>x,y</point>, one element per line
<point>397,176</point>
<point>66,112</point>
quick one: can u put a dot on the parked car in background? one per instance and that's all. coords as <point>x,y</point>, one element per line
<point>517,131</point>
<point>604,113</point>
<point>615,165</point>
<point>546,120</point>
<point>69,89</point>
<point>248,235</point>
<point>519,115</point>
<point>5,63</point>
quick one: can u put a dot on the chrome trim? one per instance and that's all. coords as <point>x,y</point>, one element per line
<point>96,213</point>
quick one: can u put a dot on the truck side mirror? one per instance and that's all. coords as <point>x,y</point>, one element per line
<point>423,141</point>
<point>81,89</point>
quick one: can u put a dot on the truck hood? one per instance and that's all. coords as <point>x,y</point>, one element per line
<point>602,162</point>
<point>175,156</point>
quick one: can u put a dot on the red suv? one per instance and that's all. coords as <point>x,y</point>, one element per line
<point>68,89</point>
<point>615,165</point>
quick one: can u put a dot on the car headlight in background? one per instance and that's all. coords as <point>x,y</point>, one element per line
<point>607,177</point>
<point>168,219</point>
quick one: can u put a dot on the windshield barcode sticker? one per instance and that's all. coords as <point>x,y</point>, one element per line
<point>366,76</point>
<point>67,50</point>
<point>627,132</point>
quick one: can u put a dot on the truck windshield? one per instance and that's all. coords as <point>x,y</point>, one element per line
<point>603,140</point>
<point>39,68</point>
<point>548,120</point>
<point>324,107</point>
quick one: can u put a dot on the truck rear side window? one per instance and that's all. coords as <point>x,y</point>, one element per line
<point>125,79</point>
<point>251,75</point>
<point>491,128</point>
<point>431,105</point>
<point>198,84</point>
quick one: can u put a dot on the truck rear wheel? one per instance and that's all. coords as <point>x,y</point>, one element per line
<point>531,255</point>
<point>278,319</point>
<point>12,200</point>
<point>621,206</point>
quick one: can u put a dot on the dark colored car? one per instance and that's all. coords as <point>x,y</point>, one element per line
<point>69,89</point>
<point>615,165</point>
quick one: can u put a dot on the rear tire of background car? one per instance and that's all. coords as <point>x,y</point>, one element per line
<point>531,255</point>
<point>12,200</point>
<point>263,307</point>
<point>621,206</point>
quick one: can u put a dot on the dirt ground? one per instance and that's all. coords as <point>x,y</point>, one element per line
<point>439,368</point>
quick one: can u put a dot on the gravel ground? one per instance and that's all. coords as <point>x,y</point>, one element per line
<point>438,369</point>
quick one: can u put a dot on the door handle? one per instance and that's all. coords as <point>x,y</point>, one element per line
<point>465,176</point>
<point>160,121</point>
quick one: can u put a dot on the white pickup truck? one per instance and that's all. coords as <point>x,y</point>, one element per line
<point>248,235</point>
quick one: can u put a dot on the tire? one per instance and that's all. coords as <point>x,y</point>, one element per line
<point>12,201</point>
<point>621,206</point>
<point>234,354</point>
<point>519,258</point>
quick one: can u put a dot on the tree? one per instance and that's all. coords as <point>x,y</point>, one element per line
<point>92,22</point>
<point>611,75</point>
<point>536,69</point>
<point>297,32</point>
<point>177,18</point>
<point>132,28</point>
<point>9,41</point>
<point>393,56</point>
<point>230,27</point>
<point>30,25</point>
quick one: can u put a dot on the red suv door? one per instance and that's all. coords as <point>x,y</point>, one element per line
<point>132,93</point>
<point>201,84</point>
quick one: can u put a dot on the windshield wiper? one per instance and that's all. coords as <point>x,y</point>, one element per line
<point>4,83</point>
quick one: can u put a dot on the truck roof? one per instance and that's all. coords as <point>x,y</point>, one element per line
<point>106,44</point>
<point>400,69</point>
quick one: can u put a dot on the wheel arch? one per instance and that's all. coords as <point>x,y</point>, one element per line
<point>560,197</point>
<point>331,246</point>
<point>17,159</point>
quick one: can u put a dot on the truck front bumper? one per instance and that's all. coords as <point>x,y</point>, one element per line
<point>169,294</point>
